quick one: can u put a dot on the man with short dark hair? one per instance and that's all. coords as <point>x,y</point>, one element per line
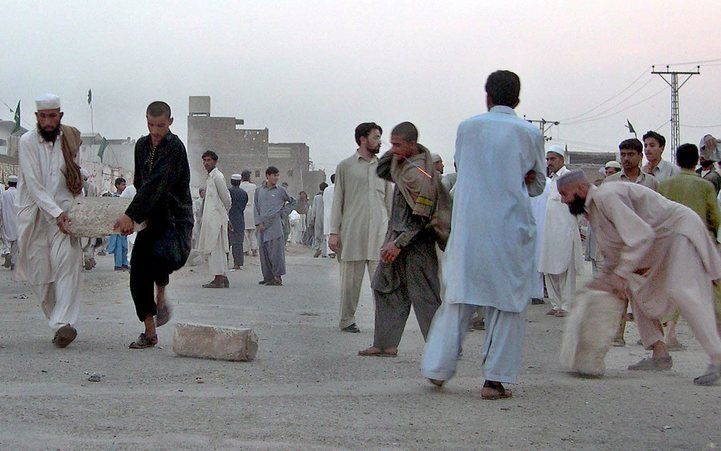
<point>359,219</point>
<point>699,195</point>
<point>653,145</point>
<point>408,273</point>
<point>163,202</point>
<point>117,243</point>
<point>272,202</point>
<point>499,156</point>
<point>631,153</point>
<point>49,259</point>
<point>213,239</point>
<point>239,201</point>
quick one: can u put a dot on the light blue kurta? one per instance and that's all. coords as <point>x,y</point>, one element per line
<point>489,259</point>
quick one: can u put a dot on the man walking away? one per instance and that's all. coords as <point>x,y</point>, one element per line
<point>239,201</point>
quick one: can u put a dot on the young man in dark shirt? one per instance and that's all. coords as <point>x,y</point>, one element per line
<point>163,202</point>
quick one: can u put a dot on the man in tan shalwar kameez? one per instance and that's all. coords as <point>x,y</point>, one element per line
<point>660,252</point>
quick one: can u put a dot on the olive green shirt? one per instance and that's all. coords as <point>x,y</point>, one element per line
<point>698,194</point>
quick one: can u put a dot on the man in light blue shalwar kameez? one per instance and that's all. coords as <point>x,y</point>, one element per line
<point>489,260</point>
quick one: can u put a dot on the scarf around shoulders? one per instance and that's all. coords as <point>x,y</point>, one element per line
<point>421,187</point>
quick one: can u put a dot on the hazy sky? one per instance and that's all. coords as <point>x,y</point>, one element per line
<point>312,70</point>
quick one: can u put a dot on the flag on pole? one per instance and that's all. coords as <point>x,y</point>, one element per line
<point>630,128</point>
<point>17,119</point>
<point>90,96</point>
<point>101,150</point>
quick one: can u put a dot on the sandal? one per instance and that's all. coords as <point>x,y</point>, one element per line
<point>376,352</point>
<point>493,390</point>
<point>144,341</point>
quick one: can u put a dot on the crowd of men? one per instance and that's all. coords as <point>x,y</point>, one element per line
<point>480,244</point>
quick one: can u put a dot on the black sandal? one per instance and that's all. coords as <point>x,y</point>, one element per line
<point>144,341</point>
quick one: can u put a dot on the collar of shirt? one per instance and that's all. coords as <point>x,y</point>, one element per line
<point>361,157</point>
<point>503,110</point>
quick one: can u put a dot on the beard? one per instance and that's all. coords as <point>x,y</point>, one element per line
<point>375,151</point>
<point>49,135</point>
<point>577,206</point>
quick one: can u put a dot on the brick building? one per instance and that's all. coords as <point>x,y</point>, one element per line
<point>241,148</point>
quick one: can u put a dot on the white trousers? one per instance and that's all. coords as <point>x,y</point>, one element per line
<point>351,281</point>
<point>502,348</point>
<point>250,241</point>
<point>59,299</point>
<point>218,260</point>
<point>562,288</point>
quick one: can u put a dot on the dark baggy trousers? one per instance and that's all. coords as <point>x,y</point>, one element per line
<point>156,254</point>
<point>236,244</point>
<point>411,280</point>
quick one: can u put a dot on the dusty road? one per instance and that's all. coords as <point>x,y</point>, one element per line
<point>307,389</point>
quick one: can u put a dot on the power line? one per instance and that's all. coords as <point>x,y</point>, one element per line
<point>696,62</point>
<point>614,106</point>
<point>610,98</point>
<point>592,119</point>
<point>701,126</point>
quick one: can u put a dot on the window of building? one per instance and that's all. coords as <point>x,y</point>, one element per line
<point>257,173</point>
<point>290,173</point>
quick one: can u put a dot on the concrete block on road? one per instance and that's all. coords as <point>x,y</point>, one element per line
<point>215,342</point>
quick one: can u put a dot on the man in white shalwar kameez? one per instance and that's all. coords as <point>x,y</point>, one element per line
<point>500,162</point>
<point>10,220</point>
<point>327,213</point>
<point>659,251</point>
<point>213,240</point>
<point>538,208</point>
<point>250,240</point>
<point>48,258</point>
<point>561,255</point>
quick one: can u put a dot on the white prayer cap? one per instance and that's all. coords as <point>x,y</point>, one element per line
<point>558,150</point>
<point>613,164</point>
<point>13,178</point>
<point>84,172</point>
<point>236,177</point>
<point>47,102</point>
<point>436,158</point>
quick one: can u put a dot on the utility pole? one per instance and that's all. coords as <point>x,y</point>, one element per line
<point>673,83</point>
<point>543,125</point>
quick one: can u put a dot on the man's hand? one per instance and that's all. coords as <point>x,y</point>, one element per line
<point>260,227</point>
<point>389,252</point>
<point>124,225</point>
<point>334,242</point>
<point>610,283</point>
<point>530,177</point>
<point>63,222</point>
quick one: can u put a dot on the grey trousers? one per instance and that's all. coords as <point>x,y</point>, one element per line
<point>272,258</point>
<point>412,280</point>
<point>502,348</point>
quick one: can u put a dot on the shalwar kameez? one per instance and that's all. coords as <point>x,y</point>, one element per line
<point>272,203</point>
<point>494,152</point>
<point>214,230</point>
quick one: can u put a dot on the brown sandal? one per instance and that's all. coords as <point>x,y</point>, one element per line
<point>493,390</point>
<point>376,352</point>
<point>144,341</point>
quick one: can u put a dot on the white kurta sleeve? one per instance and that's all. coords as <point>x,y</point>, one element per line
<point>29,165</point>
